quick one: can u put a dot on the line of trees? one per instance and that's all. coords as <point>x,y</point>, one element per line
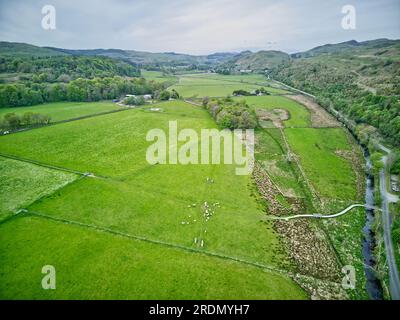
<point>256,92</point>
<point>230,114</point>
<point>27,94</point>
<point>13,121</point>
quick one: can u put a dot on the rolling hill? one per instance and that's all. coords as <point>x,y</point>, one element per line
<point>360,79</point>
<point>150,58</point>
<point>136,57</point>
<point>257,62</point>
<point>23,49</point>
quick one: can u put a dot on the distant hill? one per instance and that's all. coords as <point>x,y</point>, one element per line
<point>149,58</point>
<point>22,49</point>
<point>256,62</point>
<point>372,65</point>
<point>113,53</point>
<point>360,79</point>
<point>372,47</point>
<point>137,57</point>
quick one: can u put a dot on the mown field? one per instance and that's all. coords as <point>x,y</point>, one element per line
<point>150,218</point>
<point>64,110</point>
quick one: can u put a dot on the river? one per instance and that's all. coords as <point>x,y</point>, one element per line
<point>373,284</point>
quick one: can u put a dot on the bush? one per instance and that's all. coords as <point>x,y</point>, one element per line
<point>241,93</point>
<point>164,95</point>
<point>174,94</point>
<point>396,167</point>
<point>134,101</point>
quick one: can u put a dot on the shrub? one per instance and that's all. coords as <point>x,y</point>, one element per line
<point>134,101</point>
<point>164,95</point>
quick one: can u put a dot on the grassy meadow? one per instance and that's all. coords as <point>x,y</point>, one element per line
<point>158,76</point>
<point>217,86</point>
<point>299,116</point>
<point>94,265</point>
<point>147,201</point>
<point>331,175</point>
<point>64,110</point>
<point>22,183</point>
<point>163,205</point>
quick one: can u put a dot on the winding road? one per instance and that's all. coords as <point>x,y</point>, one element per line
<point>394,280</point>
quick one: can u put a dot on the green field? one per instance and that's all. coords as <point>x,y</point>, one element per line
<point>299,115</point>
<point>331,175</point>
<point>95,265</point>
<point>138,231</point>
<point>214,86</point>
<point>145,201</point>
<point>272,155</point>
<point>158,76</point>
<point>64,110</point>
<point>258,79</point>
<point>22,183</point>
<point>245,78</point>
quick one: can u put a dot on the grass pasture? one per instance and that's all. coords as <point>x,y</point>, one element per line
<point>214,86</point>
<point>140,200</point>
<point>94,265</point>
<point>257,79</point>
<point>299,115</point>
<point>116,141</point>
<point>331,174</point>
<point>22,183</point>
<point>59,111</point>
<point>158,76</point>
<point>272,155</point>
<point>138,231</point>
<point>245,78</point>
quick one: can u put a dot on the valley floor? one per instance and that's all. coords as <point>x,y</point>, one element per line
<point>130,230</point>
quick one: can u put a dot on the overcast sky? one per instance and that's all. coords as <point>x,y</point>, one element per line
<point>197,26</point>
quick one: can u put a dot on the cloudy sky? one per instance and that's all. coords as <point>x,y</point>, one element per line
<point>197,26</point>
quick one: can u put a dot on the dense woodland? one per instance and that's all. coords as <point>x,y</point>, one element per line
<point>26,94</point>
<point>65,68</point>
<point>35,80</point>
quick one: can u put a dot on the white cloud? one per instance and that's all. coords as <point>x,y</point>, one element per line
<point>195,26</point>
